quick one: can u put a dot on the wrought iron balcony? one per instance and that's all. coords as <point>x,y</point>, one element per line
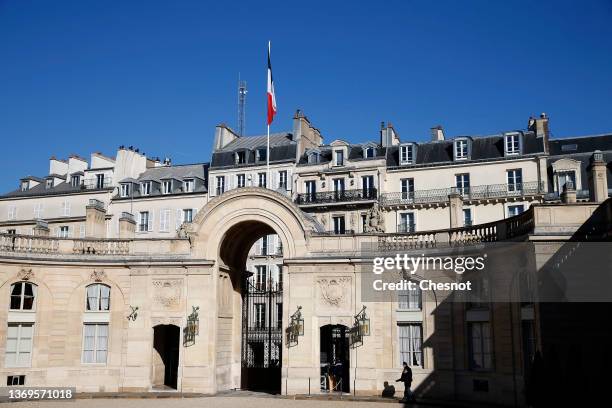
<point>555,196</point>
<point>484,192</point>
<point>334,197</point>
<point>93,184</point>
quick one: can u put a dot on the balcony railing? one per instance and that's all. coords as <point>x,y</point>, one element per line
<point>93,184</point>
<point>331,197</point>
<point>555,196</point>
<point>96,203</point>
<point>406,227</point>
<point>491,191</point>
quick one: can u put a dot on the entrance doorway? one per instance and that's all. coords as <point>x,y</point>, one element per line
<point>335,358</point>
<point>166,343</point>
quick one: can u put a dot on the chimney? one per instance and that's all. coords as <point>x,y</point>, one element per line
<point>437,133</point>
<point>540,127</point>
<point>224,135</point>
<point>95,219</point>
<point>388,136</point>
<point>598,178</point>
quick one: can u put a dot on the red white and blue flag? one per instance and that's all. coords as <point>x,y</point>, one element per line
<point>271,95</point>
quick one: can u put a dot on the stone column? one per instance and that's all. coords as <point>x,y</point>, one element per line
<point>95,219</point>
<point>455,206</point>
<point>568,195</point>
<point>127,225</point>
<point>598,178</point>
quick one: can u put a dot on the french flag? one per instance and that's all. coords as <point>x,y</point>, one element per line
<point>271,95</point>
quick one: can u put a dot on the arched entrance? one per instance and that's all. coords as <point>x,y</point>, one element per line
<point>166,345</point>
<point>335,358</point>
<point>248,347</point>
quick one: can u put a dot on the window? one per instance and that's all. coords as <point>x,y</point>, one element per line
<point>339,156</point>
<point>467,217</point>
<point>38,208</point>
<point>339,188</point>
<point>261,277</point>
<point>409,299</point>
<point>145,188</point>
<point>479,296</point>
<point>167,187</point>
<point>407,154</point>
<point>564,177</point>
<point>75,181</point>
<point>406,222</point>
<point>22,296</point>
<point>512,144</point>
<point>480,345</point>
<point>515,210</point>
<point>220,185</point>
<point>240,180</point>
<point>282,179</point>
<point>99,181</point>
<point>261,177</point>
<point>313,158</point>
<point>279,315</point>
<point>311,190</point>
<point>144,221</point>
<point>12,212</point>
<point>19,344</point>
<point>188,215</point>
<point>339,224</point>
<point>364,222</point>
<point>240,157</point>
<point>63,231</point>
<point>411,344</point>
<point>264,245</point>
<point>188,185</point>
<point>461,149</point>
<point>260,315</point>
<point>25,185</point>
<point>49,183</point>
<point>95,343</point>
<point>164,220</point>
<point>368,152</point>
<point>98,298</point>
<point>367,186</point>
<point>262,154</point>
<point>15,380</point>
<point>515,180</point>
<point>462,182</point>
<point>407,186</point>
<point>65,208</point>
<point>125,190</point>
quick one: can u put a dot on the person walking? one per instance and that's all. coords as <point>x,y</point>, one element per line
<point>406,378</point>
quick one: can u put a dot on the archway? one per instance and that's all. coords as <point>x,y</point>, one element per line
<point>249,322</point>
<point>166,346</point>
<point>335,358</point>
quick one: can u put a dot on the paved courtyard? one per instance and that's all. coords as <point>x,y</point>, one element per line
<point>252,401</point>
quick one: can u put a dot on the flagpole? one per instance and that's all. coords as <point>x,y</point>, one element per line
<point>268,160</point>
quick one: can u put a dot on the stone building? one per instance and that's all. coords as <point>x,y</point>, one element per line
<point>261,285</point>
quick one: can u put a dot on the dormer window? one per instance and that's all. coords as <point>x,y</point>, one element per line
<point>407,154</point>
<point>188,186</point>
<point>125,190</point>
<point>75,181</point>
<point>145,188</point>
<point>262,154</point>
<point>512,144</point>
<point>339,157</point>
<point>167,187</point>
<point>241,157</point>
<point>313,157</point>
<point>24,185</point>
<point>49,183</point>
<point>461,149</point>
<point>368,152</point>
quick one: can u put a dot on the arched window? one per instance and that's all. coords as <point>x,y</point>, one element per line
<point>23,295</point>
<point>98,297</point>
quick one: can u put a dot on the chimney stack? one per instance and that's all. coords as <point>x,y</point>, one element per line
<point>437,133</point>
<point>540,127</point>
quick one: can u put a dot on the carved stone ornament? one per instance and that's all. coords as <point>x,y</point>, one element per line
<point>25,274</point>
<point>167,293</point>
<point>375,220</point>
<point>98,275</point>
<point>334,290</point>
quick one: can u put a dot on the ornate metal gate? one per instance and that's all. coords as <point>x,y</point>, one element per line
<point>262,320</point>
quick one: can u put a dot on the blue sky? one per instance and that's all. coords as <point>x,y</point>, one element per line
<point>84,76</point>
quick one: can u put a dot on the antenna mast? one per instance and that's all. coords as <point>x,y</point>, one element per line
<point>242,91</point>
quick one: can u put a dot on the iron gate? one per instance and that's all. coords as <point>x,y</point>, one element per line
<point>262,319</point>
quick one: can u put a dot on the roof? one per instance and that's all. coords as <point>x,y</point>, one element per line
<point>42,190</point>
<point>178,172</point>
<point>580,144</point>
<point>252,142</point>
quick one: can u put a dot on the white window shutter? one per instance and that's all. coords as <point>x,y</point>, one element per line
<point>258,247</point>
<point>289,180</point>
<point>230,183</point>
<point>193,214</point>
<point>150,226</point>
<point>82,231</point>
<point>162,220</point>
<point>179,218</point>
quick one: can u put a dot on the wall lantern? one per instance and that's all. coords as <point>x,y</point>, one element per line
<point>133,314</point>
<point>296,328</point>
<point>192,328</point>
<point>363,322</point>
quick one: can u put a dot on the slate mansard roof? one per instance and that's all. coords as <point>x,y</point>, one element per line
<point>282,149</point>
<point>179,173</point>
